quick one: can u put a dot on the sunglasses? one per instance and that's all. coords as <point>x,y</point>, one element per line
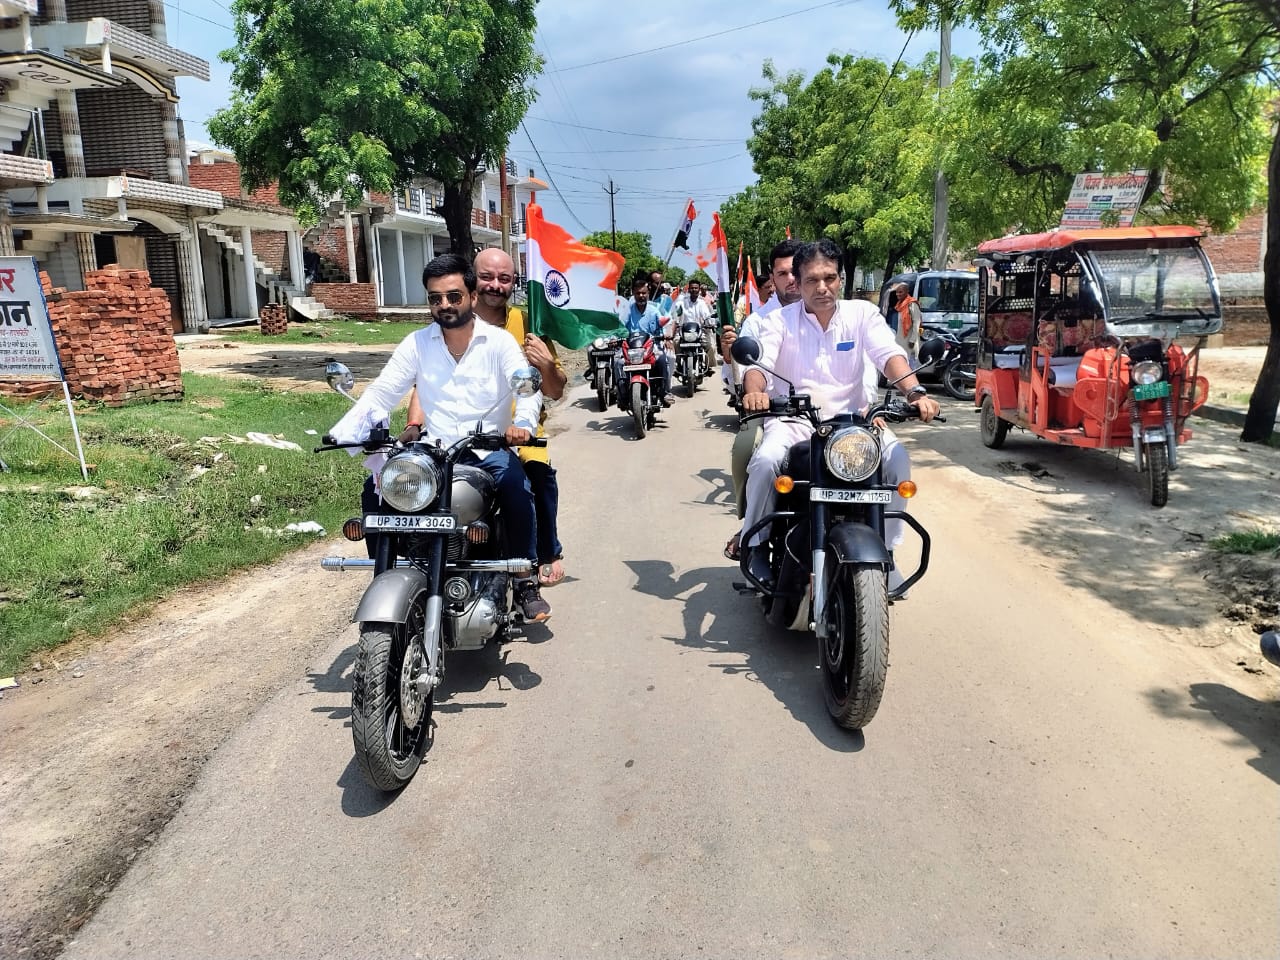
<point>455,297</point>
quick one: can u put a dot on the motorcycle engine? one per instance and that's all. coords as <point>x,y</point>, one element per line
<point>474,621</point>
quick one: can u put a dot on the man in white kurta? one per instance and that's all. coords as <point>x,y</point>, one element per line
<point>824,346</point>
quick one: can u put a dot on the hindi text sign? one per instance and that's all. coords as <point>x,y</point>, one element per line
<point>27,349</point>
<point>1095,196</point>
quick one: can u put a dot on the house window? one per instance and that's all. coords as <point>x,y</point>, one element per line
<point>493,206</point>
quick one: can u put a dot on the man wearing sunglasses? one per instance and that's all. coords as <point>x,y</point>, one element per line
<point>460,370</point>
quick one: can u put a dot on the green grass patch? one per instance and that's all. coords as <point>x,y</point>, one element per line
<point>172,499</point>
<point>1247,542</point>
<point>329,331</point>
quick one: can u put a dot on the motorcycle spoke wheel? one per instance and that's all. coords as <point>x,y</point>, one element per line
<point>388,744</point>
<point>956,383</point>
<point>855,654</point>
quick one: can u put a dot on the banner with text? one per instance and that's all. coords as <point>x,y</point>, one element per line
<point>27,350</point>
<point>1096,197</point>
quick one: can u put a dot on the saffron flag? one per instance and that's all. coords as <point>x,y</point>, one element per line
<point>719,262</point>
<point>572,297</point>
<point>682,234</point>
<point>737,280</point>
<point>754,303</point>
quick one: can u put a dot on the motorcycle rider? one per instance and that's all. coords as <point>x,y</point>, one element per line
<point>693,307</point>
<point>643,317</point>
<point>822,344</point>
<point>461,371</point>
<point>495,277</point>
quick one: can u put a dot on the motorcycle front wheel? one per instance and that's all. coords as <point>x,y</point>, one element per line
<point>602,393</point>
<point>638,409</point>
<point>855,653</point>
<point>1157,458</point>
<point>959,380</point>
<point>388,743</point>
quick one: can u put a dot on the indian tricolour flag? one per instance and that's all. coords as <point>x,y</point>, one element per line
<point>715,260</point>
<point>572,287</point>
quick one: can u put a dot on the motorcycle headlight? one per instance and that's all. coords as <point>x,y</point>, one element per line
<point>852,454</point>
<point>410,482</point>
<point>598,343</point>
<point>690,336</point>
<point>635,356</point>
<point>1147,372</point>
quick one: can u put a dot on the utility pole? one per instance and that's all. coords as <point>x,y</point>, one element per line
<point>503,210</point>
<point>940,178</point>
<point>613,223</point>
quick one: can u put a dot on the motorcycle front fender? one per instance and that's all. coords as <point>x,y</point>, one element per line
<point>389,596</point>
<point>857,543</point>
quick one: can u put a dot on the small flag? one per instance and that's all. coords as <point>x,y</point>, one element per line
<point>788,231</point>
<point>682,234</point>
<point>572,298</point>
<point>737,280</point>
<point>719,250</point>
<point>754,303</point>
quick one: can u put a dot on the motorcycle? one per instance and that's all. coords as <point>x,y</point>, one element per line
<point>600,356</point>
<point>954,356</point>
<point>441,583</point>
<point>691,355</point>
<point>635,392</point>
<point>828,560</point>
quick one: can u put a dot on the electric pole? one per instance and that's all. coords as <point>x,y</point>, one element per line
<point>940,178</point>
<point>613,223</point>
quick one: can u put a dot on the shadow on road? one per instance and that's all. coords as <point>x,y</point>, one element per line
<point>783,661</point>
<point>1255,722</point>
<point>721,492</point>
<point>621,426</point>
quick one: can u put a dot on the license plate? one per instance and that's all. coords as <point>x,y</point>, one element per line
<point>828,495</point>
<point>1151,391</point>
<point>396,521</point>
<point>631,367</point>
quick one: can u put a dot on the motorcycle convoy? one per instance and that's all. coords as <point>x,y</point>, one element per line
<point>1073,341</point>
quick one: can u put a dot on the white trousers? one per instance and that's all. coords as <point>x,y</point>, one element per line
<point>779,437</point>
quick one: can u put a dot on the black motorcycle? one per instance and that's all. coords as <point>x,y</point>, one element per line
<point>954,357</point>
<point>441,582</point>
<point>691,355</point>
<point>599,372</point>
<point>829,565</point>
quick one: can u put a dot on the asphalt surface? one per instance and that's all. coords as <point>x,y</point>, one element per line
<point>654,773</point>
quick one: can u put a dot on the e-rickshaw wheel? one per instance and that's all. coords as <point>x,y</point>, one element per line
<point>1157,457</point>
<point>994,430</point>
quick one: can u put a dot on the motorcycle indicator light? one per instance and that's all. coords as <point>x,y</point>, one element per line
<point>478,532</point>
<point>784,484</point>
<point>353,529</point>
<point>907,489</point>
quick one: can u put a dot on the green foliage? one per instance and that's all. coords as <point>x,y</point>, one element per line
<point>635,246</point>
<point>163,508</point>
<point>703,278</point>
<point>334,97</point>
<point>1247,542</point>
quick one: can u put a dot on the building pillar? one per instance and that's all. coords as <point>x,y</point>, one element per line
<point>190,281</point>
<point>85,253</point>
<point>175,162</point>
<point>404,285</point>
<point>297,274</point>
<point>156,10</point>
<point>72,145</point>
<point>375,267</point>
<point>250,279</point>
<point>352,276</point>
<point>7,247</point>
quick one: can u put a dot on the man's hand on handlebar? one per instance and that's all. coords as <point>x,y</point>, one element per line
<point>410,433</point>
<point>517,436</point>
<point>927,407</point>
<point>755,402</point>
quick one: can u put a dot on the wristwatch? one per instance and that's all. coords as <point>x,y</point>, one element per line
<point>917,391</point>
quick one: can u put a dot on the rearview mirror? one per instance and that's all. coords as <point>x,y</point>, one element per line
<point>745,350</point>
<point>340,378</point>
<point>526,381</point>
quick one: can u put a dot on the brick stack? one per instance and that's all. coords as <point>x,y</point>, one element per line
<point>115,339</point>
<point>273,320</point>
<point>356,299</point>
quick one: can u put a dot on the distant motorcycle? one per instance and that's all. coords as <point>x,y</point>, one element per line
<point>954,357</point>
<point>634,375</point>
<point>691,356</point>
<point>600,356</point>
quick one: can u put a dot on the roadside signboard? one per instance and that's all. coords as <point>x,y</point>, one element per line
<point>1095,197</point>
<point>27,348</point>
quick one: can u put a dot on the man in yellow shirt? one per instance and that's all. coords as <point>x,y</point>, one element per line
<point>495,279</point>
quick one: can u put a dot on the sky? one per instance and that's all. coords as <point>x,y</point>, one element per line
<point>665,125</point>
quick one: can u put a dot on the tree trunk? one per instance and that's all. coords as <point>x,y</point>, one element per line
<point>1260,422</point>
<point>851,257</point>
<point>457,213</point>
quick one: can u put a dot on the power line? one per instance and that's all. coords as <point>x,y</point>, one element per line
<point>683,166</point>
<point>892,71</point>
<point>196,16</point>
<point>707,36</point>
<point>558,85</point>
<point>551,180</point>
<point>632,133</point>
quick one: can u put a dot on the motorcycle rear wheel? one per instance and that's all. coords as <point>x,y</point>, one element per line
<point>956,384</point>
<point>387,750</point>
<point>855,654</point>
<point>638,409</point>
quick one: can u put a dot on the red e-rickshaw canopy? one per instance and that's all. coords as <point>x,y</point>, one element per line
<point>1059,239</point>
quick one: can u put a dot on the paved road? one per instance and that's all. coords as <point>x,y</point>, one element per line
<point>655,775</point>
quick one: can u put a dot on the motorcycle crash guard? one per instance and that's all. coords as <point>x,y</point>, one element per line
<point>389,596</point>
<point>858,543</point>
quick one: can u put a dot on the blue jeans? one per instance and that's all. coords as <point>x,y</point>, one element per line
<point>519,522</point>
<point>546,504</point>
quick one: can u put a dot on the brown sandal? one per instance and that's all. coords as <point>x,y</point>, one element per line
<point>733,549</point>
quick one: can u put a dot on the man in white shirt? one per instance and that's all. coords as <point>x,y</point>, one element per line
<point>823,345</point>
<point>461,370</point>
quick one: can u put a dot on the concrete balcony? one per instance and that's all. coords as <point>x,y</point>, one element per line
<point>103,40</point>
<point>16,170</point>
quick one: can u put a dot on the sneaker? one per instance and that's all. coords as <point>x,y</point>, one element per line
<point>666,400</point>
<point>529,600</point>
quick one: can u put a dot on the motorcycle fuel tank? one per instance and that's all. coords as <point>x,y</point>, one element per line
<point>473,492</point>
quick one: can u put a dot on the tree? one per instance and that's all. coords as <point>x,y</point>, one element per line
<point>335,97</point>
<point>1170,86</point>
<point>633,245</point>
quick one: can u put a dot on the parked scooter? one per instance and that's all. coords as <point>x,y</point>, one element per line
<point>440,583</point>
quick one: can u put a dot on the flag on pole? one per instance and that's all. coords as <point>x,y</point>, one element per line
<point>737,280</point>
<point>682,234</point>
<point>572,297</point>
<point>754,303</point>
<point>719,260</point>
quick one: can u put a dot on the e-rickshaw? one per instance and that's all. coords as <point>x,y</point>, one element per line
<point>1077,333</point>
